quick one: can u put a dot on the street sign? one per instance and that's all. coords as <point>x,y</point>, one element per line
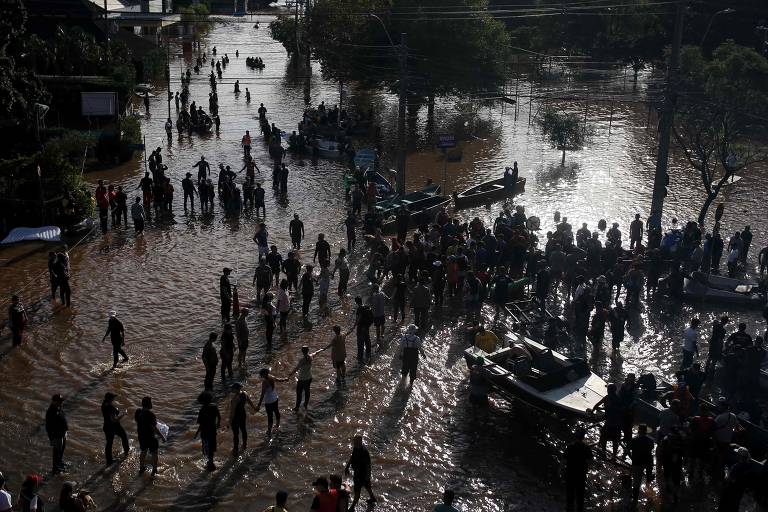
<point>446,141</point>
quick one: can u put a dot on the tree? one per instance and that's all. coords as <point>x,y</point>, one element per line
<point>722,103</point>
<point>19,88</point>
<point>563,131</point>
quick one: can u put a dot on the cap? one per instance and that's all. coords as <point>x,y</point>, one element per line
<point>57,398</point>
<point>189,174</point>
<point>109,396</point>
<point>227,270</point>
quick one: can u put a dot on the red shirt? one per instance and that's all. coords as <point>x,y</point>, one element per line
<point>101,197</point>
<point>326,501</point>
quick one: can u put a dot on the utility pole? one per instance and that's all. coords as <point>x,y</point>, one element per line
<point>401,112</point>
<point>665,129</point>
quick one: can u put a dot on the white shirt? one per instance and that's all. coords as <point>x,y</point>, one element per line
<point>410,341</point>
<point>283,302</point>
<point>690,339</point>
<point>6,502</point>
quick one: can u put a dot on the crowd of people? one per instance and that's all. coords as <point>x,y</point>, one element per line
<point>445,262</point>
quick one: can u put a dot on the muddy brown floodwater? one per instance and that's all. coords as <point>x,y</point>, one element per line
<point>164,286</point>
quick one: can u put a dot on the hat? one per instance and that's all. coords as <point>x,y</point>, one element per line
<point>57,398</point>
<point>112,314</point>
<point>227,270</point>
<point>109,396</point>
<point>411,329</point>
<point>437,263</point>
<point>189,174</point>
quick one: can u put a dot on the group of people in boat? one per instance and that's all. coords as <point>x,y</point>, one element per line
<point>254,62</point>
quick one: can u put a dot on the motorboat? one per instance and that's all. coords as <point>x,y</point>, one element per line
<point>549,380</point>
<point>421,212</point>
<point>328,148</point>
<point>486,193</point>
<point>714,288</point>
<point>389,207</point>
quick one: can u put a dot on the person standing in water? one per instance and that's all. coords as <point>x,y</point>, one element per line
<point>578,457</point>
<point>208,423</point>
<point>342,266</point>
<point>138,214</point>
<point>243,334</point>
<point>146,428</point>
<point>112,427</point>
<point>307,290</point>
<point>410,346</point>
<point>360,462</point>
<point>304,378</point>
<point>56,427</point>
<point>210,361</point>
<point>270,399</point>
<point>116,333</point>
<point>296,230</point>
<point>225,293</point>
<point>17,320</point>
<point>238,416</point>
<point>189,190</point>
<point>61,267</point>
<point>338,346</point>
<point>226,354</point>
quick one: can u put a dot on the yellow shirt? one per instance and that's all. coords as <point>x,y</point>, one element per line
<point>486,341</point>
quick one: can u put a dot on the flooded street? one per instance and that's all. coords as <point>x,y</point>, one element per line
<point>164,286</point>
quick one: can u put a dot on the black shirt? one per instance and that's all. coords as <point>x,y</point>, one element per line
<point>146,422</point>
<point>307,285</point>
<point>641,449</point>
<point>55,422</point>
<point>109,412</point>
<point>291,267</point>
<point>360,462</point>
<point>209,419</point>
<point>275,261</point>
<point>116,331</point>
<point>577,459</point>
<point>296,228</point>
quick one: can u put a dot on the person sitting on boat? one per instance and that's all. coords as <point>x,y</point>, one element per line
<point>486,340</point>
<point>681,392</point>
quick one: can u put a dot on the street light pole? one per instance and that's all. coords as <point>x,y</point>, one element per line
<point>665,128</point>
<point>711,20</point>
<point>402,107</point>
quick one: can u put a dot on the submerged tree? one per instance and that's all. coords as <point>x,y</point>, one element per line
<point>722,104</point>
<point>565,132</point>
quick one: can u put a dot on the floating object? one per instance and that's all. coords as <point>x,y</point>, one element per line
<point>41,234</point>
<point>551,381</point>
<point>486,193</point>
